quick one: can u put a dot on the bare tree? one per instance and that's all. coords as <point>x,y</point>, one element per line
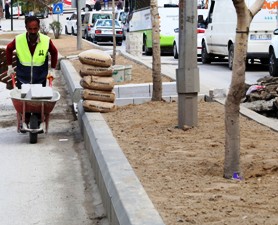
<point>237,87</point>
<point>114,34</point>
<point>157,82</point>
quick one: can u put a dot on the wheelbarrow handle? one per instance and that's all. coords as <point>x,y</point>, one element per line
<point>13,79</point>
<point>50,79</point>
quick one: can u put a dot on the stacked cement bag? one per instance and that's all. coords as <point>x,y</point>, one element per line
<point>97,81</point>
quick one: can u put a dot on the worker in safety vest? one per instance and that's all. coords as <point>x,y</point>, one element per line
<point>32,50</point>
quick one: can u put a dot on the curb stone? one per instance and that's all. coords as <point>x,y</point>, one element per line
<point>124,198</point>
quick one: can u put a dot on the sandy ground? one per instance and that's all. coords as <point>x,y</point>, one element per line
<point>182,171</point>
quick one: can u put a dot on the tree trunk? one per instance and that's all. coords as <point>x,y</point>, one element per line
<point>113,30</point>
<point>157,82</point>
<point>237,87</point>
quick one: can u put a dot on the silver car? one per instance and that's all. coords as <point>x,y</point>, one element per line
<point>102,31</point>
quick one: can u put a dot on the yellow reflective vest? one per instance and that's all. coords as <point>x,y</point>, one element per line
<point>24,55</point>
<point>32,69</point>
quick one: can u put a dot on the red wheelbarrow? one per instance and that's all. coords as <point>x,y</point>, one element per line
<point>32,114</point>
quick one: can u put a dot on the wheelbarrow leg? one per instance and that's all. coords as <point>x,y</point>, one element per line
<point>46,122</point>
<point>18,116</point>
<point>21,117</point>
<point>34,124</point>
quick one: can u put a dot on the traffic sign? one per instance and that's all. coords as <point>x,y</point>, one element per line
<point>58,8</point>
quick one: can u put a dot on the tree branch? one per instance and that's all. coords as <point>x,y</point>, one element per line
<point>256,6</point>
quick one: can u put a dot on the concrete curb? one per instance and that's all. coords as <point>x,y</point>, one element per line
<point>125,94</point>
<point>271,123</point>
<point>124,198</point>
<point>73,80</point>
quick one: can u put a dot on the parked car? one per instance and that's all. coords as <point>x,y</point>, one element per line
<point>121,16</point>
<point>71,23</point>
<point>102,31</point>
<point>39,13</point>
<point>42,13</point>
<point>273,55</point>
<point>90,18</point>
<point>200,33</point>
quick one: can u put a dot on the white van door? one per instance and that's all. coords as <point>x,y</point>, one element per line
<point>221,28</point>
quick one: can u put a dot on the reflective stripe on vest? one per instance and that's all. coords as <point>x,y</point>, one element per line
<point>24,54</point>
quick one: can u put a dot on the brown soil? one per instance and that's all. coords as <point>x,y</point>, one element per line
<point>182,170</point>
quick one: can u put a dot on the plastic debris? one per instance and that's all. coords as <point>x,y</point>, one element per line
<point>236,176</point>
<point>63,139</point>
<point>254,88</point>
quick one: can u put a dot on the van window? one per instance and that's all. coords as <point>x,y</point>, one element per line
<point>86,18</point>
<point>209,19</point>
<point>121,16</point>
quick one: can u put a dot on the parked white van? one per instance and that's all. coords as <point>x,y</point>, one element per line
<point>219,37</point>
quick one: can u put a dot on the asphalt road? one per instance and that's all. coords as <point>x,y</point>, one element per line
<point>216,75</point>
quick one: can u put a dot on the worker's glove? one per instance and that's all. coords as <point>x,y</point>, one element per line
<point>10,70</point>
<point>51,74</point>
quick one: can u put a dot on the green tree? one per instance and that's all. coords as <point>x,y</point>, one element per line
<point>33,5</point>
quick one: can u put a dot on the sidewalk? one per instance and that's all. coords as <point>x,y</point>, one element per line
<point>50,182</point>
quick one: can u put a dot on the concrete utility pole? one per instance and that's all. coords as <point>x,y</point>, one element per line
<point>78,4</point>
<point>12,16</point>
<point>187,73</point>
<point>79,25</point>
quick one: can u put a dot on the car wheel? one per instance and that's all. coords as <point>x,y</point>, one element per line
<point>206,58</point>
<point>66,30</point>
<point>175,51</point>
<point>273,65</point>
<point>146,50</point>
<point>86,36</point>
<point>94,40</point>
<point>231,57</point>
<point>89,37</point>
<point>72,31</point>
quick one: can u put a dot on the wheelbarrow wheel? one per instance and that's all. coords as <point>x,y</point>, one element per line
<point>33,125</point>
